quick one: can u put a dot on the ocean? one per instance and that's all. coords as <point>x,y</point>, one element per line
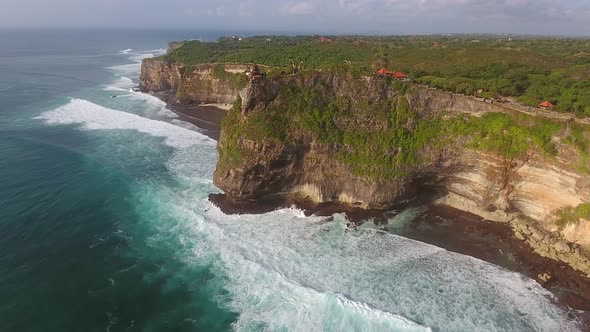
<point>105,222</point>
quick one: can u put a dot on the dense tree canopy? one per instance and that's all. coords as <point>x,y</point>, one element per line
<point>531,69</point>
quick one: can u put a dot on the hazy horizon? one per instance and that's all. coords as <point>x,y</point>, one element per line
<point>391,17</point>
<point>252,33</point>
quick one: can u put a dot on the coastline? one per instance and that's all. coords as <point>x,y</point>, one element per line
<point>495,242</point>
<point>476,233</point>
<point>207,117</point>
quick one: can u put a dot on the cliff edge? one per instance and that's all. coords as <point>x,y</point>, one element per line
<point>209,83</point>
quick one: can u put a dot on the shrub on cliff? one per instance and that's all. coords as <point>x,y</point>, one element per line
<point>235,81</point>
<point>508,135</point>
<point>572,215</point>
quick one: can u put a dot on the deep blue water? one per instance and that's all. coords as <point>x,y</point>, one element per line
<point>66,261</point>
<point>105,223</point>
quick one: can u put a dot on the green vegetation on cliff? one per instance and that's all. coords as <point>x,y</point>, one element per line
<point>532,69</point>
<point>234,81</point>
<point>578,136</point>
<point>384,139</point>
<point>507,135</point>
<point>572,215</point>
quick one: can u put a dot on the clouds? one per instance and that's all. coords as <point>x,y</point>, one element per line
<point>296,8</point>
<point>345,16</point>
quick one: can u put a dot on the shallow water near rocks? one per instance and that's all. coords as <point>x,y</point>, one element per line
<point>105,224</point>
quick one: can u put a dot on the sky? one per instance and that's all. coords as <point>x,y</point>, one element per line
<point>546,17</point>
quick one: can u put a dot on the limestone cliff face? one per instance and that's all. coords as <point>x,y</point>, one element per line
<point>158,75</point>
<point>190,84</point>
<point>532,186</point>
<point>523,192</point>
<point>311,169</point>
<point>306,170</point>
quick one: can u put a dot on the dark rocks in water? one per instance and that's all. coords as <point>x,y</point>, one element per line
<point>230,205</point>
<point>544,278</point>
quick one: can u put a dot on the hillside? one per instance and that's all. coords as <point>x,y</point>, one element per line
<point>529,69</point>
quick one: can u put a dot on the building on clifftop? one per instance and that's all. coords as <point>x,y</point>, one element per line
<point>255,73</point>
<point>400,76</point>
<point>546,104</point>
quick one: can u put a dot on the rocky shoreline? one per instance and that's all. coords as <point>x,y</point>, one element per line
<point>512,243</point>
<point>547,244</point>
<point>466,233</point>
<point>206,117</point>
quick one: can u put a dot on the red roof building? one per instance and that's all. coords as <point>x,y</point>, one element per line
<point>325,40</point>
<point>383,71</point>
<point>399,75</point>
<point>546,104</point>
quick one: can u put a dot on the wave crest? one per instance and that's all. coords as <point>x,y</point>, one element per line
<point>95,117</point>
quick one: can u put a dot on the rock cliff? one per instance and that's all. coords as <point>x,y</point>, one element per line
<point>308,166</point>
<point>193,84</point>
<point>523,189</point>
<point>523,192</point>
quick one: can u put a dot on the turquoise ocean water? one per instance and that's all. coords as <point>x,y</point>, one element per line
<point>105,223</point>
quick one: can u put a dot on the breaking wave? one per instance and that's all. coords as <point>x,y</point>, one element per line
<point>94,117</point>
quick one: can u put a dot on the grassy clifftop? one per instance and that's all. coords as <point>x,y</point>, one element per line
<point>533,70</point>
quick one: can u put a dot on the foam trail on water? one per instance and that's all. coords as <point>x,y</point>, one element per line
<point>95,117</point>
<point>295,307</point>
<point>131,70</point>
<point>148,54</point>
<point>152,103</point>
<point>127,76</point>
<point>123,83</point>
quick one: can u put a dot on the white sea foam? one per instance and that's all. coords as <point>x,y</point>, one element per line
<point>147,54</point>
<point>134,67</point>
<point>285,271</point>
<point>150,100</point>
<point>156,104</point>
<point>95,117</point>
<point>151,104</point>
<point>184,124</point>
<point>265,254</point>
<point>114,88</point>
<point>122,83</point>
<point>126,69</point>
<point>127,76</point>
